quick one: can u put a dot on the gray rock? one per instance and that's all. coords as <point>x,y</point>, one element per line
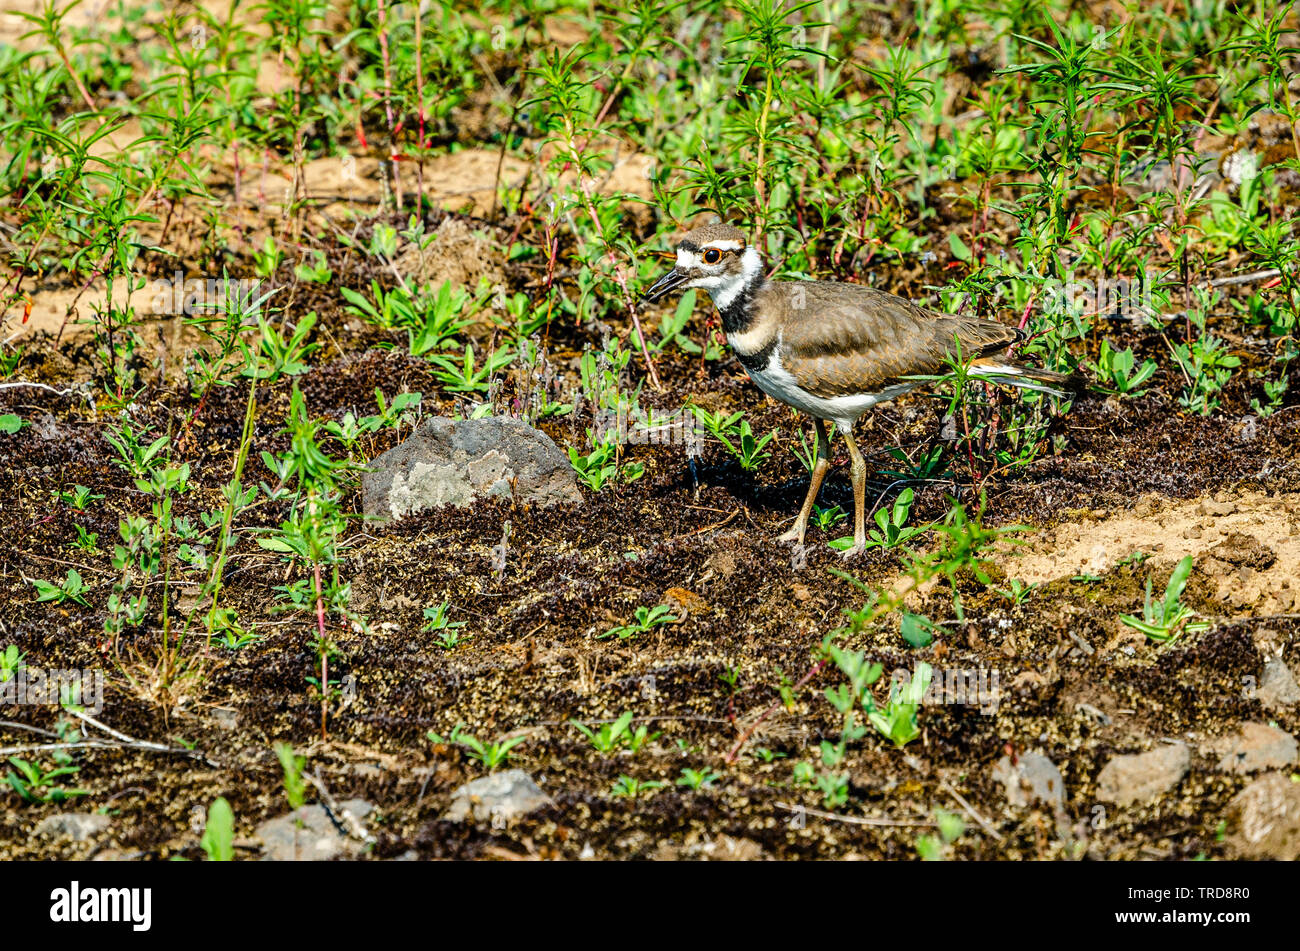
<point>1143,776</point>
<point>1264,820</point>
<point>78,826</point>
<point>308,834</point>
<point>499,797</point>
<point>1277,687</point>
<point>454,462</point>
<point>1257,746</point>
<point>1032,779</point>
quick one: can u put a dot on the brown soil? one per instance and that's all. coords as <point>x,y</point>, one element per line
<point>1136,476</point>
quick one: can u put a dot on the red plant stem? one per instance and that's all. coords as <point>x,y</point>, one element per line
<point>388,104</point>
<point>420,144</point>
<point>1024,318</point>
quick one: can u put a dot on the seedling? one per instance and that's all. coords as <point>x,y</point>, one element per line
<point>933,848</point>
<point>827,518</point>
<point>612,737</point>
<point>218,839</point>
<point>697,778</point>
<point>628,788</point>
<point>86,541</point>
<point>1017,592</point>
<point>892,529</point>
<point>78,497</point>
<point>291,766</point>
<point>1166,619</point>
<point>1114,369</point>
<point>647,619</point>
<point>317,271</point>
<point>917,630</point>
<point>464,377</point>
<point>449,632</point>
<point>600,467</point>
<point>34,784</point>
<point>735,433</point>
<point>70,590</point>
<point>897,720</point>
<point>11,661</point>
<point>490,754</point>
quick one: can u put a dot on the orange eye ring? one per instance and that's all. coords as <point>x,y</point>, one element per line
<point>712,256</point>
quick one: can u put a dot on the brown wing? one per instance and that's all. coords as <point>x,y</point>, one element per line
<point>845,338</point>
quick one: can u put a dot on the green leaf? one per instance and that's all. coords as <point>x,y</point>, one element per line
<point>219,833</point>
<point>10,423</point>
<point>959,249</point>
<point>916,630</point>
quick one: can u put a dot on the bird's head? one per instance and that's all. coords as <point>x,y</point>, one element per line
<point>716,258</point>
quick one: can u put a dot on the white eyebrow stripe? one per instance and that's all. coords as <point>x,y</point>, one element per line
<point>727,244</point>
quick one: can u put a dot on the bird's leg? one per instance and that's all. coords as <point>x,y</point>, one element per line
<point>820,467</point>
<point>859,472</point>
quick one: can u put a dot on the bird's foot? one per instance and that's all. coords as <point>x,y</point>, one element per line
<point>858,547</point>
<point>795,534</point>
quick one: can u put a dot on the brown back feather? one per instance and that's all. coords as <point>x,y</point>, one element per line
<point>844,338</point>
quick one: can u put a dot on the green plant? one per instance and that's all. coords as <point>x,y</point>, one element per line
<point>892,529</point>
<point>600,466</point>
<point>450,631</point>
<point>646,619</point>
<point>11,661</point>
<point>697,779</point>
<point>897,719</point>
<point>616,736</point>
<point>1017,592</point>
<point>317,271</point>
<point>673,326</point>
<point>1114,369</point>
<point>827,518</point>
<point>463,377</point>
<point>628,788</point>
<point>933,848</point>
<point>218,840</point>
<point>86,541</point>
<point>490,754</point>
<point>78,497</point>
<point>133,455</point>
<point>1207,367</point>
<point>735,433</point>
<point>916,630</point>
<point>1166,619</point>
<point>1274,390</point>
<point>291,766</point>
<point>267,261</point>
<point>350,430</point>
<point>34,784</point>
<point>70,590</point>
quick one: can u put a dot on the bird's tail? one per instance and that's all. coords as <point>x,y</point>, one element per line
<point>1003,371</point>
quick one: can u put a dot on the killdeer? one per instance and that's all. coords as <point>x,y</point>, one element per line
<point>830,349</point>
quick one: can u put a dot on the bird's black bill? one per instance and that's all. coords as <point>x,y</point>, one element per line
<point>666,284</point>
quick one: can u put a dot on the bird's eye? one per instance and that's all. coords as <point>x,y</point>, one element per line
<point>712,256</point>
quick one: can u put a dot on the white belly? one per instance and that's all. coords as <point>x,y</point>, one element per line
<point>777,383</point>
